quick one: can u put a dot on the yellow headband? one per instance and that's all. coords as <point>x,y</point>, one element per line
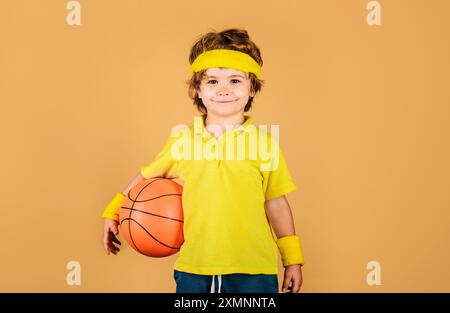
<point>226,58</point>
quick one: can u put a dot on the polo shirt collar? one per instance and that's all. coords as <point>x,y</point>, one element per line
<point>202,130</point>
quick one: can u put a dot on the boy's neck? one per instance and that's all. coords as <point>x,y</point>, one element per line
<point>222,121</point>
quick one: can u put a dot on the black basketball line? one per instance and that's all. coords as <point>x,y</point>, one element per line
<point>131,211</point>
<point>169,218</point>
<point>130,219</point>
<point>164,195</point>
<point>131,237</point>
<point>155,179</point>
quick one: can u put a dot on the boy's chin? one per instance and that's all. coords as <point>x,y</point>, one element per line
<point>224,111</point>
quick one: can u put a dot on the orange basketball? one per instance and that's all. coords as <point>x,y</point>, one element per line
<point>151,217</point>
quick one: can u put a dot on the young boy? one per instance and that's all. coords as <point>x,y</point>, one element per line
<point>230,197</point>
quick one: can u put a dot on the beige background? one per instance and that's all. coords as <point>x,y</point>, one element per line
<point>364,115</point>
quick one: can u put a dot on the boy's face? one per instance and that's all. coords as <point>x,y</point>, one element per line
<point>225,91</point>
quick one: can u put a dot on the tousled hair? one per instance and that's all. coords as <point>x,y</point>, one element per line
<point>232,39</point>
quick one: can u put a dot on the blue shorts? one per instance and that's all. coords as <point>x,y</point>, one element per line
<point>229,283</point>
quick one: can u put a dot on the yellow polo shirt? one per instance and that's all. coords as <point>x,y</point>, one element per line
<point>226,181</point>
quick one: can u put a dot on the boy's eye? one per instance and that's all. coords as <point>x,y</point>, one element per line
<point>214,81</point>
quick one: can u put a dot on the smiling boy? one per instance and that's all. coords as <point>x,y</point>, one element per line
<point>228,203</point>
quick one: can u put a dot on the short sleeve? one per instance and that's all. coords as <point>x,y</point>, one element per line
<point>163,165</point>
<point>277,179</point>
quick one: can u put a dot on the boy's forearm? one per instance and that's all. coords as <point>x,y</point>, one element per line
<point>133,183</point>
<point>112,209</point>
<point>280,216</point>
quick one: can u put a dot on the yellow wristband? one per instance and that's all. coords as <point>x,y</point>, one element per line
<point>112,210</point>
<point>291,250</point>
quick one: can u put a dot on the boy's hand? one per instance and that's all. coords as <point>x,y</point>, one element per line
<point>292,273</point>
<point>111,230</point>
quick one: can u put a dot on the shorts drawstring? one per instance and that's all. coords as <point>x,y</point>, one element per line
<point>219,284</point>
<point>212,285</point>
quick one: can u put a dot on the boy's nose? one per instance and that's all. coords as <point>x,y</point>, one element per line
<point>223,92</point>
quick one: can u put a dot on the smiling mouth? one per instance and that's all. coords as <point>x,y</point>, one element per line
<point>225,101</point>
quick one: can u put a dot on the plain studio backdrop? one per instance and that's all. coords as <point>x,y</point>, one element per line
<point>364,125</point>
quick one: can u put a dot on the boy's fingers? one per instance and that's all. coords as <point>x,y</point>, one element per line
<point>106,249</point>
<point>296,287</point>
<point>286,282</point>
<point>110,238</point>
<point>112,247</point>
<point>114,239</point>
<point>106,245</point>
